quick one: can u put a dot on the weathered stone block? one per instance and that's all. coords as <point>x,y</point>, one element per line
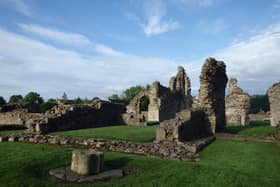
<point>87,162</point>
<point>274,101</point>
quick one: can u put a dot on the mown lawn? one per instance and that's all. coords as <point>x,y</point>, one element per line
<point>10,132</point>
<point>224,163</point>
<point>256,128</point>
<point>130,133</point>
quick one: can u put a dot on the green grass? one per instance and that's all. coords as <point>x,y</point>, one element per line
<point>224,163</point>
<point>129,133</point>
<point>10,132</point>
<point>256,128</point>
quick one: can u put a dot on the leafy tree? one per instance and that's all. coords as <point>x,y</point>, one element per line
<point>131,92</point>
<point>64,96</point>
<point>2,101</point>
<point>259,103</point>
<point>114,96</point>
<point>47,105</point>
<point>16,99</point>
<point>33,98</point>
<point>78,100</point>
<point>144,103</point>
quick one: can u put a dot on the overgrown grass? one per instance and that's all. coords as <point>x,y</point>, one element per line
<point>224,163</point>
<point>10,132</point>
<point>256,128</point>
<point>130,133</point>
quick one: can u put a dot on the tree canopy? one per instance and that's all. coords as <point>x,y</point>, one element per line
<point>259,103</point>
<point>33,98</point>
<point>16,99</point>
<point>2,101</point>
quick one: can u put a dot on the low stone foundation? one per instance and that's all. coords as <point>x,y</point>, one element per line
<point>177,151</point>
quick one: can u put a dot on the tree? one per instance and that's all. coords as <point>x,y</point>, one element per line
<point>33,98</point>
<point>131,92</point>
<point>2,101</point>
<point>47,105</point>
<point>16,99</point>
<point>114,97</point>
<point>259,103</point>
<point>78,100</point>
<point>64,96</point>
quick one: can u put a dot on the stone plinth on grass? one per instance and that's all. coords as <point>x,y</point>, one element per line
<point>86,162</point>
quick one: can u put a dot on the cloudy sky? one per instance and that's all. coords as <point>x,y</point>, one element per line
<point>97,48</point>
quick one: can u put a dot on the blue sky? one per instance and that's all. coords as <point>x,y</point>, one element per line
<point>96,48</point>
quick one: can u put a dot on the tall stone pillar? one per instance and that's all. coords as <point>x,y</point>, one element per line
<point>213,80</point>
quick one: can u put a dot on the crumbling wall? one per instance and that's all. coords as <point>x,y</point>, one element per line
<point>186,126</point>
<point>14,116</point>
<point>164,102</point>
<point>70,117</point>
<point>237,105</point>
<point>211,99</point>
<point>274,101</point>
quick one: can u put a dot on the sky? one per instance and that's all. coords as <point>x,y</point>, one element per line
<point>94,48</point>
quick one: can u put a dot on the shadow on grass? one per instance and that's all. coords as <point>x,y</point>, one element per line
<point>118,162</point>
<point>253,124</point>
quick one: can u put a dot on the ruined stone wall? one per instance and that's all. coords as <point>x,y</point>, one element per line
<point>237,105</point>
<point>164,104</point>
<point>15,117</point>
<point>186,126</point>
<point>182,151</point>
<point>211,99</point>
<point>70,117</point>
<point>274,101</point>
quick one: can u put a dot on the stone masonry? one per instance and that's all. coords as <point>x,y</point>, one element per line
<point>164,102</point>
<point>186,126</point>
<point>211,99</point>
<point>237,105</point>
<point>71,116</point>
<point>274,101</point>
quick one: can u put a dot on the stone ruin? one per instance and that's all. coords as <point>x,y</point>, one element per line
<point>15,116</point>
<point>68,116</point>
<point>164,102</point>
<point>237,105</point>
<point>211,98</point>
<point>207,114</point>
<point>274,101</point>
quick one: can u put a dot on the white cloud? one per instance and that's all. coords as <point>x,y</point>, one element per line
<point>256,61</point>
<point>54,34</point>
<point>155,10</point>
<point>107,50</point>
<point>153,22</point>
<point>19,5</point>
<point>27,64</point>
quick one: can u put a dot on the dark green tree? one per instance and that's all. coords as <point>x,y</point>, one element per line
<point>33,98</point>
<point>47,105</point>
<point>78,100</point>
<point>144,103</point>
<point>16,99</point>
<point>259,103</point>
<point>131,92</point>
<point>114,96</point>
<point>2,101</point>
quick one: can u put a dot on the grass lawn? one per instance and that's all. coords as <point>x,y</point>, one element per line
<point>130,133</point>
<point>256,128</point>
<point>224,163</point>
<point>10,132</point>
